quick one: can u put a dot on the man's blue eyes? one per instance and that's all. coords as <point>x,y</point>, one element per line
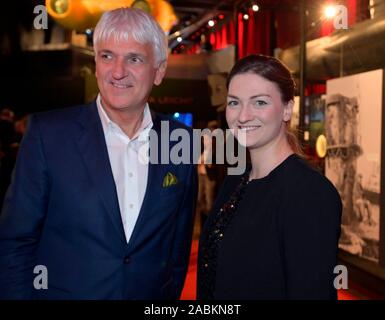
<point>130,59</point>
<point>135,59</point>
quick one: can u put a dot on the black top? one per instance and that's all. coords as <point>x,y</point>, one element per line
<point>272,238</point>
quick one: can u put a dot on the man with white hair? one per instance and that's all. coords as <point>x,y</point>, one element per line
<point>84,217</point>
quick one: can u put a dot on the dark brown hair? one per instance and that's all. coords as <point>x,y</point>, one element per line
<point>275,71</point>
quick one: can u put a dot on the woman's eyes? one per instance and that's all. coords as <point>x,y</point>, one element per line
<point>260,103</point>
<point>257,103</point>
<point>232,103</point>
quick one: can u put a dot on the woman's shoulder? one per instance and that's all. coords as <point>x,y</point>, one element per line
<point>307,194</point>
<point>300,176</point>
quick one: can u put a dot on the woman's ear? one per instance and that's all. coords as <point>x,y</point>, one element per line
<point>288,110</point>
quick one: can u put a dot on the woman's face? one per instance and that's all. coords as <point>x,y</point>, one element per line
<point>255,110</point>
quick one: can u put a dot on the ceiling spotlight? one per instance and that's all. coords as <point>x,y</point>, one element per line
<point>221,16</point>
<point>246,16</point>
<point>255,7</point>
<point>211,23</point>
<point>330,11</point>
<point>179,39</point>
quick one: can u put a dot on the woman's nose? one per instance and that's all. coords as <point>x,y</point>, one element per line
<point>245,114</point>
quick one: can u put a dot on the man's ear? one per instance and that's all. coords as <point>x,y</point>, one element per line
<point>288,110</point>
<point>160,73</point>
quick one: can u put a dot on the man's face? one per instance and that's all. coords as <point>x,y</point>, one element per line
<point>126,72</point>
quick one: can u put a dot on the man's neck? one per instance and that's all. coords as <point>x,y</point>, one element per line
<point>128,120</point>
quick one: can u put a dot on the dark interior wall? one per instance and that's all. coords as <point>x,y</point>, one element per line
<point>39,80</point>
<point>183,96</point>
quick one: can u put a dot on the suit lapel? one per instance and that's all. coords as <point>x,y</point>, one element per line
<point>92,146</point>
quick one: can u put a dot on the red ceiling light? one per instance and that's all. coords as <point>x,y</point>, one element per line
<point>221,16</point>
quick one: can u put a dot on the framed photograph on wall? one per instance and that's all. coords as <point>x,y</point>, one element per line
<point>354,128</point>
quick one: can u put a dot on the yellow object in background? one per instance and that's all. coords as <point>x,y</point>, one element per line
<point>321,146</point>
<point>80,15</point>
<point>164,14</point>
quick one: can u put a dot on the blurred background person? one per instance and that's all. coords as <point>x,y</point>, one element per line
<point>8,150</point>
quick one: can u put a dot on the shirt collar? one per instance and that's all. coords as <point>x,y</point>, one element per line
<point>108,124</point>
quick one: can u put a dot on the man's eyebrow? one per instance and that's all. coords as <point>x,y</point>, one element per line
<point>135,54</point>
<point>105,51</point>
<point>127,55</point>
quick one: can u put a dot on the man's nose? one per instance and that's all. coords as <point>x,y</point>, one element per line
<point>119,69</point>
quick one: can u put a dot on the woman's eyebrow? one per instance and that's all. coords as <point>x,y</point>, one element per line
<point>260,95</point>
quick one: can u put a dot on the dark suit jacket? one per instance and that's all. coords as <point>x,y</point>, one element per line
<point>280,243</point>
<point>62,211</point>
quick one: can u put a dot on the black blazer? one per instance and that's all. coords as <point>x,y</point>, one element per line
<point>282,241</point>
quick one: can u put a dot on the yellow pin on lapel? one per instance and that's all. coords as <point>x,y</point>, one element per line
<point>169,180</point>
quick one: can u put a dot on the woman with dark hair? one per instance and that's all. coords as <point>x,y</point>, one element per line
<point>273,232</point>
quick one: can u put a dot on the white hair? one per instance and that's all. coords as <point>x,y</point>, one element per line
<point>123,23</point>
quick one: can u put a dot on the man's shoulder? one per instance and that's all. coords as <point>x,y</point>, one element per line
<point>62,115</point>
<point>62,123</point>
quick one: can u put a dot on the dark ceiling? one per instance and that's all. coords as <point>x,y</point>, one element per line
<point>194,14</point>
<point>188,10</point>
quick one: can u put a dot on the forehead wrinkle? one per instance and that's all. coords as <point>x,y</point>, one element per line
<point>105,47</point>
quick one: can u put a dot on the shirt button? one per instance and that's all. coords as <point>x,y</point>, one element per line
<point>127,260</point>
<point>131,206</point>
<point>130,175</point>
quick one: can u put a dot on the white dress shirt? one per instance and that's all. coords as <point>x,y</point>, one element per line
<point>129,171</point>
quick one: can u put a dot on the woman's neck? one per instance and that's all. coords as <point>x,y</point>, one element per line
<point>268,157</point>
